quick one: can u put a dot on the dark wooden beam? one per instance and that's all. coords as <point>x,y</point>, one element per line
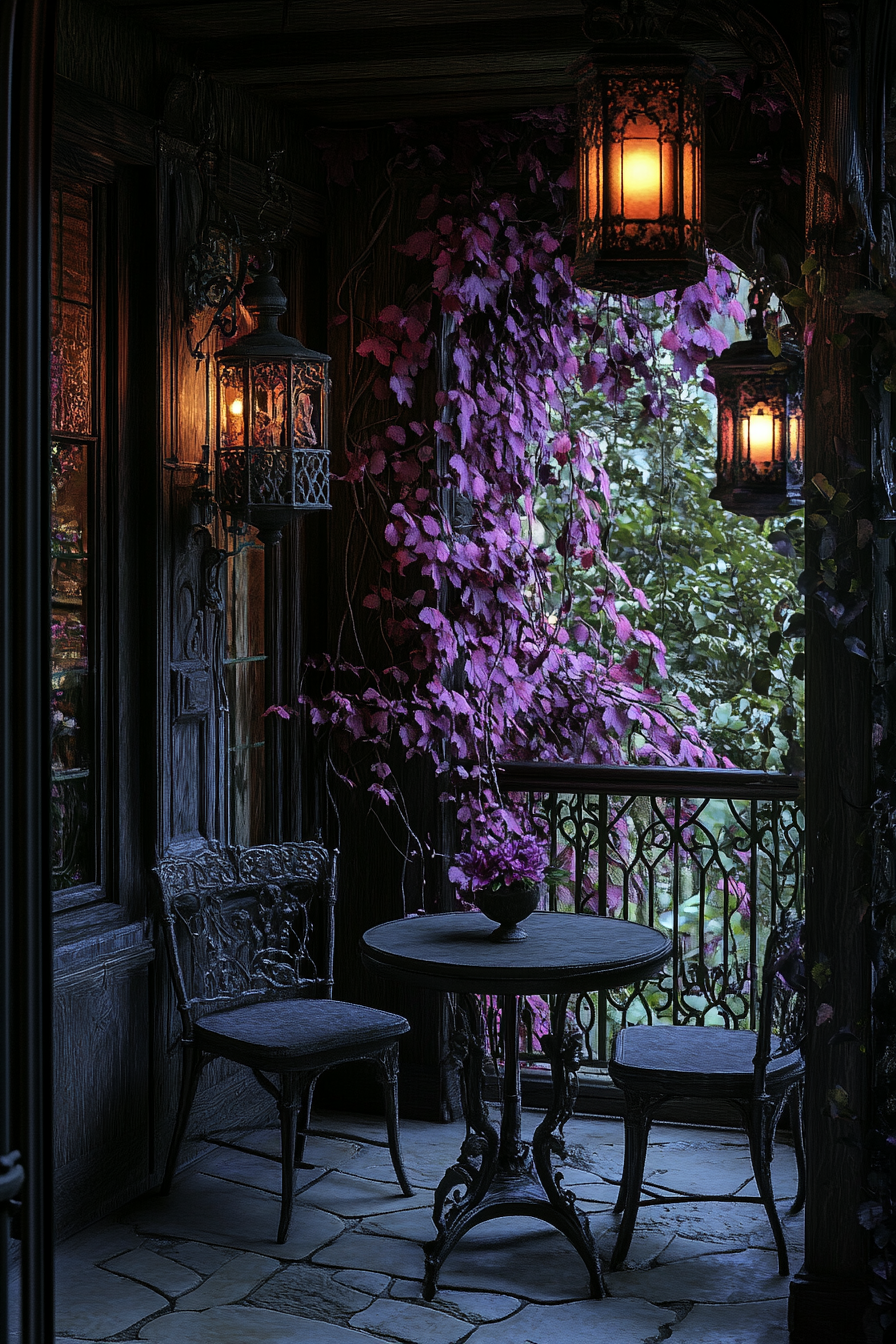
<point>436,49</point>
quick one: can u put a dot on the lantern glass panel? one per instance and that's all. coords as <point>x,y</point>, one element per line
<point>234,398</point>
<point>637,171</point>
<point>270,384</point>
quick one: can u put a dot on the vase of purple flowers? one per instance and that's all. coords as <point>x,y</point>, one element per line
<point>505,880</point>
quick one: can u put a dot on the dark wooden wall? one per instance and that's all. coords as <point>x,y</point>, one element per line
<point>125,109</point>
<point>377,881</point>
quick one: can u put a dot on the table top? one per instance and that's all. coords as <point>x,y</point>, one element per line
<point>562,952</point>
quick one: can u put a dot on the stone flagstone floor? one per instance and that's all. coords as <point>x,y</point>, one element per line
<point>202,1267</point>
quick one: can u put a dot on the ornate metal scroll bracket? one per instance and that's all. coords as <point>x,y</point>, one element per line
<point>565,1048</point>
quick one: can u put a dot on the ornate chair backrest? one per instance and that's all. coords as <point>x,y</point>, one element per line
<point>783,1001</point>
<point>239,928</point>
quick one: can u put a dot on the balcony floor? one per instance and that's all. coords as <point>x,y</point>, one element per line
<point>202,1266</point>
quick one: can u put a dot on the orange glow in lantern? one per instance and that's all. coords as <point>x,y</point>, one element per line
<point>758,429</point>
<point>639,164</point>
<point>236,407</point>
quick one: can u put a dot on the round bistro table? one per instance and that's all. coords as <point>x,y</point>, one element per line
<point>498,1174</point>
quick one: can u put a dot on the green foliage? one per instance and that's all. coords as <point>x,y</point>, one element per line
<point>721,588</point>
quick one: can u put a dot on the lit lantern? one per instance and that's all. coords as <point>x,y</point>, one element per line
<point>640,170</point>
<point>760,443</point>
<point>272,457</point>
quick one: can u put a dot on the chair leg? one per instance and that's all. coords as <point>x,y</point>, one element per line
<point>304,1119</point>
<point>194,1061</point>
<point>638,1114</point>
<point>387,1072</point>
<point>760,1121</point>
<point>795,1107</point>
<point>288,1106</point>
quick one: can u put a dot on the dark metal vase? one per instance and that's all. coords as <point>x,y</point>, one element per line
<point>508,907</point>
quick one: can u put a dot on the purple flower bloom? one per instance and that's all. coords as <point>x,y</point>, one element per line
<point>491,863</point>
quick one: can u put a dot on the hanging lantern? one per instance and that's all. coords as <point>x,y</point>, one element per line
<point>640,170</point>
<point>759,463</point>
<point>272,457</point>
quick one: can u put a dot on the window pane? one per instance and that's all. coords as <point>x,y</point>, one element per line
<point>73,821</point>
<point>71,359</point>
<point>74,849</point>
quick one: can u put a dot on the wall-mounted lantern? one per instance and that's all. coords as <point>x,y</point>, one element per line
<point>759,465</point>
<point>640,170</point>
<point>272,459</point>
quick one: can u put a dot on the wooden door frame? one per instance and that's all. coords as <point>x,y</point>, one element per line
<point>27,38</point>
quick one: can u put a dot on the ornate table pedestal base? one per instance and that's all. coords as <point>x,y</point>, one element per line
<point>498,1174</point>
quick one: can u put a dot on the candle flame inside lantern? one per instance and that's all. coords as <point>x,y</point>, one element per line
<point>761,438</point>
<point>641,179</point>
<point>236,407</point>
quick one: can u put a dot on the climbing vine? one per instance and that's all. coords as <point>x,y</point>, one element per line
<point>458,650</point>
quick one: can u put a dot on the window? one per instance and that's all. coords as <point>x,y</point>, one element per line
<point>73,455</point>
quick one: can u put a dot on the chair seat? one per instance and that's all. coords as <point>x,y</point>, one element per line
<point>297,1033</point>
<point>691,1061</point>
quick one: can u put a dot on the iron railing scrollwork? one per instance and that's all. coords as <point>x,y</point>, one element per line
<point>714,858</point>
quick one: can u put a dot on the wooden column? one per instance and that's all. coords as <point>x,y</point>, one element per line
<point>828,1295</point>
<point>26,43</point>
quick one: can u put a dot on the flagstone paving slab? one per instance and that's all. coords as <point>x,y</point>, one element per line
<point>764,1323</point>
<point>590,1322</point>
<point>204,1259</point>
<point>233,1281</point>
<point>745,1276</point>
<point>99,1243</point>
<point>414,1224</point>
<point>478,1307</point>
<point>312,1290</point>
<point>204,1208</point>
<point>385,1255</point>
<point>519,1257</point>
<point>246,1325</point>
<point>261,1172</point>
<point>156,1271</point>
<point>356,1197</point>
<point>417,1325</point>
<point>93,1304</point>
<point>364,1280</point>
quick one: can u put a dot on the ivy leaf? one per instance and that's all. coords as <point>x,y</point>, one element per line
<point>838,1107</point>
<point>773,341</point>
<point>840,340</point>
<point>762,680</point>
<point>809,265</point>
<point>864,532</point>
<point>818,520</point>
<point>841,502</point>
<point>823,485</point>
<point>798,666</point>
<point>856,646</point>
<point>821,972</point>
<point>795,298</point>
<point>824,1014</point>
<point>781,543</point>
<point>843,1036</point>
<point>774,642</point>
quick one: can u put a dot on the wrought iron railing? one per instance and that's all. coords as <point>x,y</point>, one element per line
<point>713,857</point>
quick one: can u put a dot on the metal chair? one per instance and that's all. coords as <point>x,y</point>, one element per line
<point>253,978</point>
<point>759,1073</point>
